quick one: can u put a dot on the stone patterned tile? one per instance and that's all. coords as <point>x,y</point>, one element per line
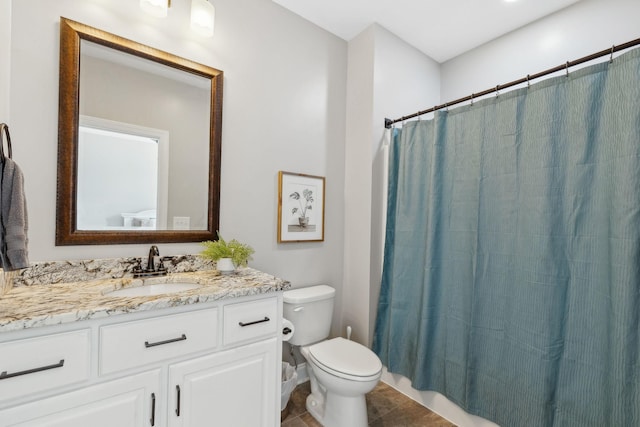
<point>293,422</point>
<point>298,399</point>
<point>382,400</point>
<point>309,420</point>
<point>411,414</point>
<point>386,407</point>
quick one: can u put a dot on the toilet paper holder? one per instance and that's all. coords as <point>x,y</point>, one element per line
<point>288,329</point>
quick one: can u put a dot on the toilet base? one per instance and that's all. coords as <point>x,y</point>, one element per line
<point>338,411</point>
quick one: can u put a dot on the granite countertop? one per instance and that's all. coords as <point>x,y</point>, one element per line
<point>32,306</point>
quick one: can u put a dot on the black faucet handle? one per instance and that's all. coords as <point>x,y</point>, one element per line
<point>137,267</point>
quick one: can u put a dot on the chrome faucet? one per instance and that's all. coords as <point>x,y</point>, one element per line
<point>153,252</point>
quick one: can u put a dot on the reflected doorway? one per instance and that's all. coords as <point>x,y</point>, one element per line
<point>122,176</point>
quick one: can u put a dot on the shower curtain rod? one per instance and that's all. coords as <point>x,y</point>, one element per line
<point>388,122</point>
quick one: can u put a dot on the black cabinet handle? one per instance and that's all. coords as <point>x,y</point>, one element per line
<point>266,319</point>
<point>153,409</point>
<point>147,344</point>
<point>178,401</point>
<point>4,375</point>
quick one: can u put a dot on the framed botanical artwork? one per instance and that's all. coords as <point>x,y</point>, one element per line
<point>300,207</point>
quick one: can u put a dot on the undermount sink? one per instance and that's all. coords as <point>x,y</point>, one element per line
<point>153,289</point>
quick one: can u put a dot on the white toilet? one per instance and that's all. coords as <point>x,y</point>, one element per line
<point>340,371</point>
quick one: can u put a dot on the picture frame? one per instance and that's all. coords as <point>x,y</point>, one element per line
<point>300,207</point>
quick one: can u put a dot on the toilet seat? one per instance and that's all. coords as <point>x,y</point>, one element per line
<point>346,359</point>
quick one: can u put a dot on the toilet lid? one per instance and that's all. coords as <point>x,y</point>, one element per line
<point>346,357</point>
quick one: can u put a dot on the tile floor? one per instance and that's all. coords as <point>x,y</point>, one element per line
<point>386,407</point>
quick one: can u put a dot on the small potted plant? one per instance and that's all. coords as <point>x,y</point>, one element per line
<point>228,255</point>
<point>306,203</point>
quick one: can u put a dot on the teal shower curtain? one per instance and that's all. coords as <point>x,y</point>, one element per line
<point>511,279</point>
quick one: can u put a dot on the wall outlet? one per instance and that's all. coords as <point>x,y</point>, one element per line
<point>181,222</point>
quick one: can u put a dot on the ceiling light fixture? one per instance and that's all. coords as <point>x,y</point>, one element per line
<point>203,14</point>
<point>157,8</point>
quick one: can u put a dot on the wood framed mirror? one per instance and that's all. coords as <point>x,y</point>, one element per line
<point>139,142</point>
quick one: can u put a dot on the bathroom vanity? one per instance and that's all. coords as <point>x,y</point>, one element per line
<point>73,355</point>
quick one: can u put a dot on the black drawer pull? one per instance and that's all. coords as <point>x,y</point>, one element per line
<point>153,409</point>
<point>4,375</point>
<point>147,344</point>
<point>178,402</point>
<point>266,319</point>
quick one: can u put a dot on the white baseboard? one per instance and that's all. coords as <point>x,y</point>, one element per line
<point>434,401</point>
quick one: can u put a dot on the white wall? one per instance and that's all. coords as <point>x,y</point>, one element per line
<point>579,30</point>
<point>358,159</point>
<point>284,92</point>
<point>5,59</point>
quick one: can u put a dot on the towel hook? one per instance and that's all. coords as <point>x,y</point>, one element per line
<point>4,131</point>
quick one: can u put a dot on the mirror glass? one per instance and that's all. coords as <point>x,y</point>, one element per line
<point>139,142</point>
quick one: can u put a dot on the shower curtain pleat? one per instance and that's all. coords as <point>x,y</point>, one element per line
<point>511,280</point>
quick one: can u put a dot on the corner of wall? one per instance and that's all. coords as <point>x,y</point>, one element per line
<point>5,61</point>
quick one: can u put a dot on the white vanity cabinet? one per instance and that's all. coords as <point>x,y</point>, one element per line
<point>125,402</point>
<point>201,388</point>
<point>200,365</point>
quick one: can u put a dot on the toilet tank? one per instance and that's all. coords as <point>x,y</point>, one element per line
<point>310,310</point>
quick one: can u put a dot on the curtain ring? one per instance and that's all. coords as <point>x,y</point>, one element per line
<point>611,58</point>
<point>567,68</point>
<point>472,95</point>
<point>446,106</point>
<point>528,82</point>
<point>497,91</point>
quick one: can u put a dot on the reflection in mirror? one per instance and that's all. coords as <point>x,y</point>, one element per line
<point>131,196</point>
<point>139,142</point>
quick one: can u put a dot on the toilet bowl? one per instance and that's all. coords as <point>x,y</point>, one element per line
<point>341,371</point>
<point>344,371</point>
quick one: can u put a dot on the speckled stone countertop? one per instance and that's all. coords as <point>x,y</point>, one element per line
<point>32,306</point>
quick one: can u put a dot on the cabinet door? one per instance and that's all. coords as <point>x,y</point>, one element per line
<point>231,388</point>
<point>128,402</point>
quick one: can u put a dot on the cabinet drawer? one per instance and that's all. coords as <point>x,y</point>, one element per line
<point>37,364</point>
<point>139,343</point>
<point>250,320</point>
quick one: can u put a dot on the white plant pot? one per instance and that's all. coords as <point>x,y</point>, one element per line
<point>225,266</point>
